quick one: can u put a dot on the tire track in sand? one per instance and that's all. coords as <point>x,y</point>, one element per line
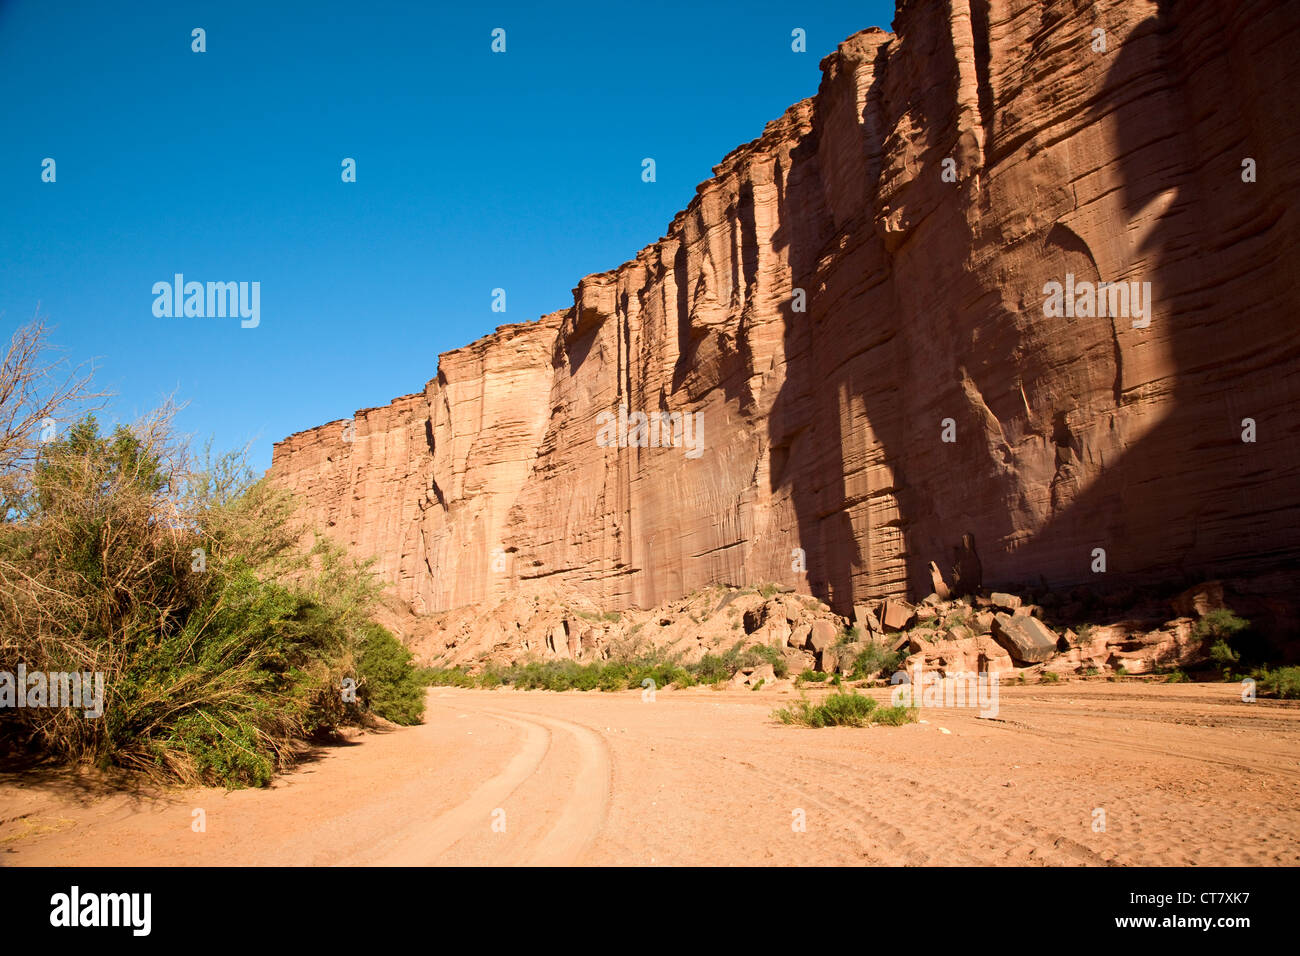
<point>585,809</point>
<point>582,810</point>
<point>424,846</point>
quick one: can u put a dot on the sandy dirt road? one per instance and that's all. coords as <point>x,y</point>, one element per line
<point>1185,774</point>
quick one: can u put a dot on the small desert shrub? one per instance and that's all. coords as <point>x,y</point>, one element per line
<point>1281,682</point>
<point>837,710</point>
<point>1177,677</point>
<point>760,654</point>
<point>813,677</point>
<point>894,716</point>
<point>1050,677</point>
<point>843,710</point>
<point>875,660</point>
<point>712,668</point>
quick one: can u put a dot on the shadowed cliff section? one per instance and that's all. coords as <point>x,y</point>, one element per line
<point>923,310</point>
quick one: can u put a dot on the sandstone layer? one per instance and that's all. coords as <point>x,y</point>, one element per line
<point>867,279</point>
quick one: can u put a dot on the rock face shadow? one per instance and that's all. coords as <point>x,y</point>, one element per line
<point>1072,435</point>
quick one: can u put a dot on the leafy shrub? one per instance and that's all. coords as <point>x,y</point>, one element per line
<point>712,668</point>
<point>1223,656</point>
<point>223,644</point>
<point>843,710</point>
<point>1220,625</point>
<point>1230,637</point>
<point>874,660</point>
<point>1281,682</point>
<point>894,716</point>
<point>389,685</point>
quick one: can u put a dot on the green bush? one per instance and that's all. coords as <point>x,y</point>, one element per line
<point>389,684</point>
<point>894,716</point>
<point>1220,625</point>
<point>712,668</point>
<point>1231,640</point>
<point>222,643</point>
<point>1223,656</point>
<point>1281,682</point>
<point>844,710</point>
<point>875,660</point>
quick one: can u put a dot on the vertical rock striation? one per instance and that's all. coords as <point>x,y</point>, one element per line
<point>837,297</point>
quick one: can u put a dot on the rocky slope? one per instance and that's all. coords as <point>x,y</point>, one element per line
<point>867,279</point>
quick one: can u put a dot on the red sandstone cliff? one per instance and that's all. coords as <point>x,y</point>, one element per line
<point>821,429</point>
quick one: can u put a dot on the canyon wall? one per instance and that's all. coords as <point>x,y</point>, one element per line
<point>866,280</point>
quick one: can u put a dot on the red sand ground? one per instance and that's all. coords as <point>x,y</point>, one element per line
<point>1186,774</point>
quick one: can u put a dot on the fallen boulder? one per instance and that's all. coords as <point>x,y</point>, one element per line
<point>897,615</point>
<point>823,636</point>
<point>1004,601</point>
<point>799,636</point>
<point>865,619</point>
<point>1026,639</point>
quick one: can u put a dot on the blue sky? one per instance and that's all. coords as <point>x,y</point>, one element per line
<point>475,171</point>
